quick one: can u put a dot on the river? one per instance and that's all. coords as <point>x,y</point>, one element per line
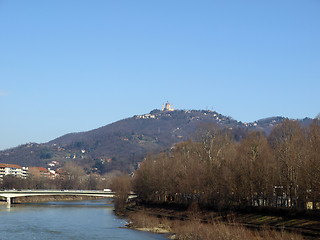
<point>66,220</point>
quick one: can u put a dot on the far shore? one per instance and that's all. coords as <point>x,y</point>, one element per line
<point>39,199</point>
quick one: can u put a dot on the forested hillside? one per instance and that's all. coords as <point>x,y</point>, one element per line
<point>122,144</point>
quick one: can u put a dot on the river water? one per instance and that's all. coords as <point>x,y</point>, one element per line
<point>66,220</point>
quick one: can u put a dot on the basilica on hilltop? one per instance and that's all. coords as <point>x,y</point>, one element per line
<point>167,107</point>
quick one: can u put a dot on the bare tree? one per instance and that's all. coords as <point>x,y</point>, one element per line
<point>122,186</point>
<point>312,166</point>
<point>75,176</point>
<point>287,141</point>
<point>254,167</point>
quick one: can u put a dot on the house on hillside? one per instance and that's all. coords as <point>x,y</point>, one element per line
<point>13,170</point>
<point>38,172</point>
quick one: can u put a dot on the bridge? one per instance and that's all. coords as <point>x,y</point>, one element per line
<point>9,194</point>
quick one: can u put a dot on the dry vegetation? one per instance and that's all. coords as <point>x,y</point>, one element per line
<point>195,229</point>
<point>122,186</point>
<point>281,171</point>
<point>277,174</point>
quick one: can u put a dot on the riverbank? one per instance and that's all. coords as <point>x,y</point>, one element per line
<point>195,224</point>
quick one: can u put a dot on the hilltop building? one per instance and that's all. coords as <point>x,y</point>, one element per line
<point>167,107</point>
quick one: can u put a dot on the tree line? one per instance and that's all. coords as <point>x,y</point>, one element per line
<point>215,171</point>
<point>73,177</point>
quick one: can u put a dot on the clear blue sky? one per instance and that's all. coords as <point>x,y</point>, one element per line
<point>75,65</point>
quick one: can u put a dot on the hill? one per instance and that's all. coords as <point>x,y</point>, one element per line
<point>122,144</point>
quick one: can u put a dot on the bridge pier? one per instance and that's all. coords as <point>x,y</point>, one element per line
<point>9,200</point>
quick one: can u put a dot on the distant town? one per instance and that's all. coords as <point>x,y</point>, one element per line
<point>24,172</point>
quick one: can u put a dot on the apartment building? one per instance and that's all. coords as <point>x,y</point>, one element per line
<point>12,169</point>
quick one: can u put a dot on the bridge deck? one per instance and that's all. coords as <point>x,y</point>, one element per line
<point>24,193</point>
<point>8,194</point>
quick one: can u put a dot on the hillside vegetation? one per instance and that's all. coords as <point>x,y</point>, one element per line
<point>122,144</point>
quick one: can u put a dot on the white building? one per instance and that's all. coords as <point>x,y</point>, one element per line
<point>167,107</point>
<point>12,169</point>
